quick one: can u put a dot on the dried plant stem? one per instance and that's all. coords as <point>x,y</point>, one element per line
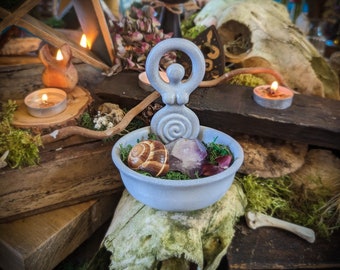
<point>76,130</point>
<point>333,205</point>
<point>253,70</point>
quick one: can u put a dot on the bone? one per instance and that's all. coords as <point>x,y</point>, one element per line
<point>3,162</point>
<point>256,220</point>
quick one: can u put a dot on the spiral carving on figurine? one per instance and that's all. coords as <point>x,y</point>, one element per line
<point>175,120</point>
<point>173,126</point>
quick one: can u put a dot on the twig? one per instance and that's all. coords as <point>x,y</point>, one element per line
<point>75,130</point>
<point>253,70</point>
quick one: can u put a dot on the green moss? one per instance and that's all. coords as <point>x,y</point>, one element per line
<point>86,121</point>
<point>174,175</point>
<point>216,150</point>
<point>266,195</point>
<point>247,80</point>
<point>280,198</point>
<point>55,23</point>
<point>308,207</point>
<point>124,152</point>
<point>188,28</point>
<point>22,145</point>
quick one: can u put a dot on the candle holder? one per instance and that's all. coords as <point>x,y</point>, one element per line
<point>144,82</point>
<point>273,96</point>
<point>58,73</point>
<point>171,22</point>
<point>46,102</point>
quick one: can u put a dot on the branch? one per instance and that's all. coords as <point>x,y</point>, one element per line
<point>75,130</point>
<point>253,70</point>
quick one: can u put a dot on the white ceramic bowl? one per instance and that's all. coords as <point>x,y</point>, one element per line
<point>178,195</point>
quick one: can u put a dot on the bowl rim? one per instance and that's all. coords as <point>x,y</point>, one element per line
<point>175,183</point>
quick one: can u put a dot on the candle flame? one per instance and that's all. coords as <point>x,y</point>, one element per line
<point>44,98</point>
<point>83,41</point>
<point>274,86</point>
<point>59,55</point>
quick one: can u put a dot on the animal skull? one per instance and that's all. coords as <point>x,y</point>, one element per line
<point>259,33</point>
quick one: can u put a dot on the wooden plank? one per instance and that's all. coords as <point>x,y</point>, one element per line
<point>271,248</point>
<point>18,60</point>
<point>56,39</point>
<point>93,23</point>
<point>230,108</point>
<point>64,177</point>
<point>13,17</point>
<point>43,241</point>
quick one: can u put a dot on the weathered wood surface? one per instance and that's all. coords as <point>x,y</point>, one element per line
<point>77,102</point>
<point>64,177</point>
<point>271,248</point>
<point>310,119</point>
<point>18,60</point>
<point>43,241</point>
<point>93,23</point>
<point>230,108</point>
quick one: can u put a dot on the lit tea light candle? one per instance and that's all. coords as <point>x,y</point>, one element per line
<point>83,41</point>
<point>59,55</point>
<point>273,96</point>
<point>44,99</point>
<point>46,102</point>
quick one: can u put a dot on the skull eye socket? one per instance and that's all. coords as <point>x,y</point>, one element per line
<point>235,37</point>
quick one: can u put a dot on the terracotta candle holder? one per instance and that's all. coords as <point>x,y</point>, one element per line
<point>273,96</point>
<point>59,72</point>
<point>144,82</point>
<point>46,102</point>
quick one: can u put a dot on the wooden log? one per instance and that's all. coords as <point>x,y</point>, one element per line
<point>231,108</point>
<point>43,241</point>
<point>64,177</point>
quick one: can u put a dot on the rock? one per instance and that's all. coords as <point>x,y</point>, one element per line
<point>265,157</point>
<point>321,169</point>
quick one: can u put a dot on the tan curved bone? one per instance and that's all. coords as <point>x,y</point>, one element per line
<point>256,220</point>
